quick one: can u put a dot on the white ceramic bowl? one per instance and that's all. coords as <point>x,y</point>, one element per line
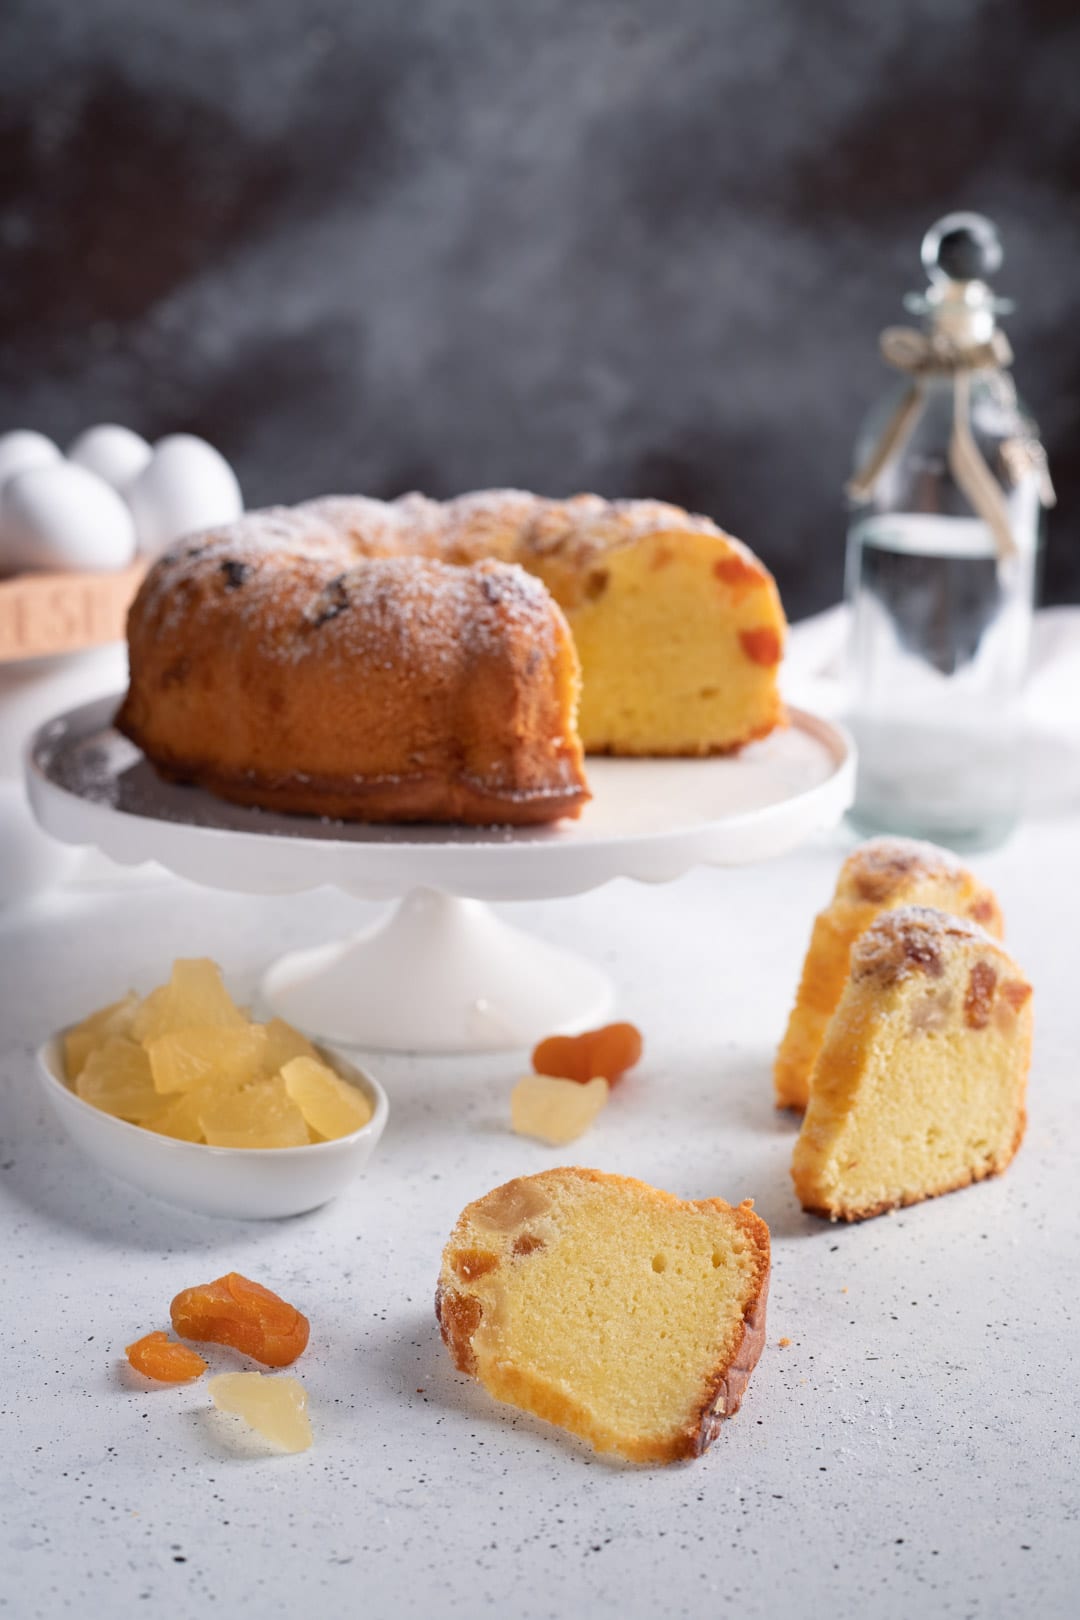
<point>245,1183</point>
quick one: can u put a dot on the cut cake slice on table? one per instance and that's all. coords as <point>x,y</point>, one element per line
<point>880,875</point>
<point>919,1087</point>
<point>626,1315</point>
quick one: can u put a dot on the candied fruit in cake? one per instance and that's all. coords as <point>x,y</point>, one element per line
<point>330,1105</point>
<point>116,1019</point>
<point>225,1055</point>
<point>243,1314</point>
<point>194,996</point>
<point>554,1110</point>
<point>607,1052</point>
<point>116,1078</point>
<point>275,1408</point>
<point>155,1355</point>
<point>262,1115</point>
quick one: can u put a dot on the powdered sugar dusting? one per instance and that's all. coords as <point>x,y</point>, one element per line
<point>878,867</point>
<point>296,580</point>
<point>509,525</point>
<point>913,939</point>
<point>370,574</point>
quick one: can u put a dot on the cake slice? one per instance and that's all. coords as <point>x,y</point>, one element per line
<point>621,1313</point>
<point>919,1087</point>
<point>878,876</point>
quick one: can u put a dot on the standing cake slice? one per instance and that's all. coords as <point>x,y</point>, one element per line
<point>630,1317</point>
<point>878,876</point>
<point>919,1087</point>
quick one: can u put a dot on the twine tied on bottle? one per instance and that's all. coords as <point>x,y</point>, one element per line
<point>936,354</point>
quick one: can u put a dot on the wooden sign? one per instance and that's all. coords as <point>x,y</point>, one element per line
<point>47,614</point>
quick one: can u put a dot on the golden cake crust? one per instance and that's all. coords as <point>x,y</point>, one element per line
<point>878,876</point>
<point>514,1215</point>
<point>274,666</point>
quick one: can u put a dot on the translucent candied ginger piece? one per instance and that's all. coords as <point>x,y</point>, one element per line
<point>116,1019</point>
<point>116,1078</point>
<point>274,1407</point>
<point>330,1105</point>
<point>221,1055</point>
<point>243,1314</point>
<point>194,996</point>
<point>155,1355</point>
<point>262,1115</point>
<point>555,1111</point>
<point>282,1043</point>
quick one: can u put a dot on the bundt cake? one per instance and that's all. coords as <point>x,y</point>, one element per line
<point>878,876</point>
<point>621,1313</point>
<point>276,668</point>
<point>919,1086</point>
<point>325,658</point>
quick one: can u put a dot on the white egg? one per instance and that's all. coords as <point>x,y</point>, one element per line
<point>115,453</point>
<point>24,448</point>
<point>186,485</point>
<point>63,517</point>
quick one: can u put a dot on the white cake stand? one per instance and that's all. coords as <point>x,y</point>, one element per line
<point>442,973</point>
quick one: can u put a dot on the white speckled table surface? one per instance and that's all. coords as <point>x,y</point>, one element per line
<point>912,1451</point>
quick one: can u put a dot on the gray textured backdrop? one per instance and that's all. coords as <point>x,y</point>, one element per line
<point>638,248</point>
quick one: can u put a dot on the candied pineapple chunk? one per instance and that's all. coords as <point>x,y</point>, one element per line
<point>187,1058</point>
<point>282,1044</point>
<point>187,1063</point>
<point>330,1105</point>
<point>181,1119</point>
<point>262,1115</point>
<point>193,997</point>
<point>95,1031</point>
<point>556,1111</point>
<point>116,1078</point>
<point>275,1407</point>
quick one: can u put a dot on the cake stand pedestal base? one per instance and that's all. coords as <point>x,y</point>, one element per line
<point>438,974</point>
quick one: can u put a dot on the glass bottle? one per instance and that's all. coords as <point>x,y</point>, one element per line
<point>943,545</point>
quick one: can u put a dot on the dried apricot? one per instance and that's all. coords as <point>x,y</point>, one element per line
<point>599,1053</point>
<point>761,645</point>
<point>157,1356</point>
<point>242,1314</point>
